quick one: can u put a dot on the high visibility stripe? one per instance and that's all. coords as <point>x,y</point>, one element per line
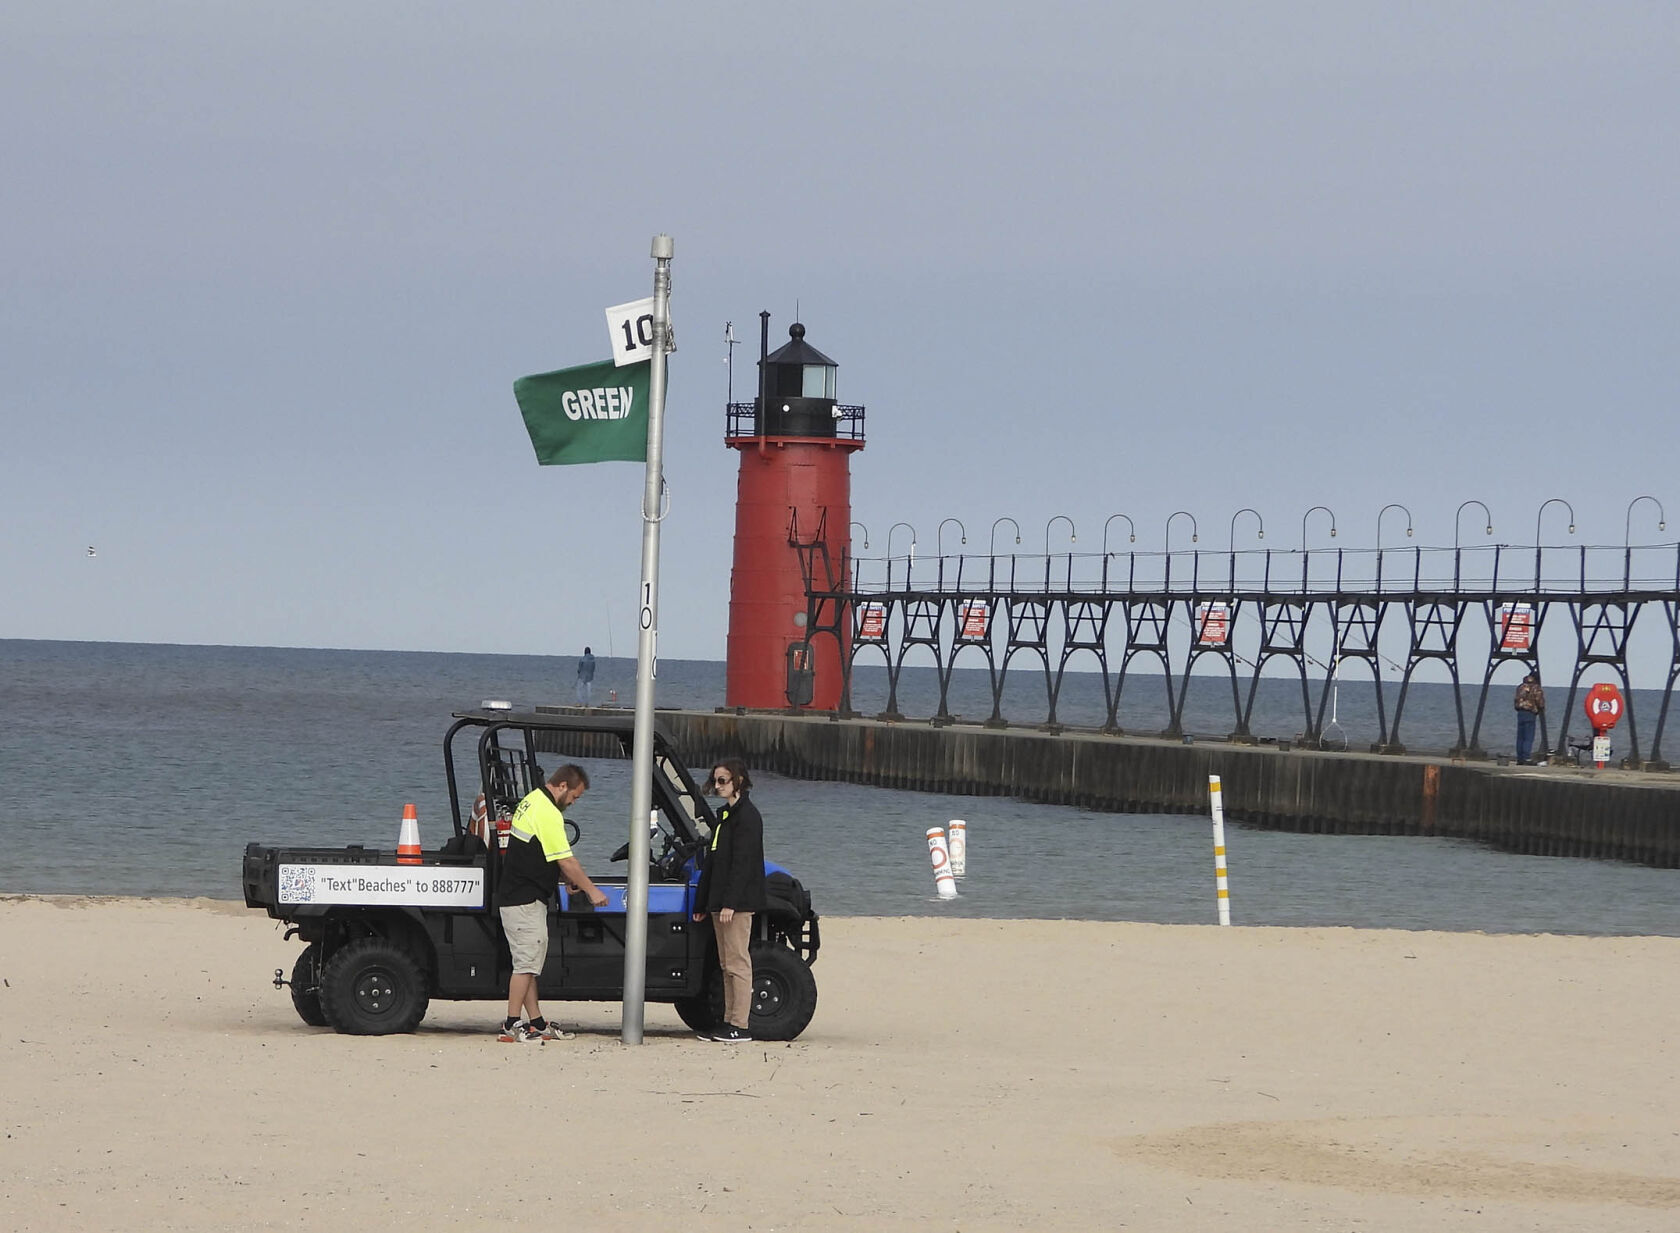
<point>1216,803</point>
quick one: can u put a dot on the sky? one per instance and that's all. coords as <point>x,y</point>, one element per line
<point>269,272</point>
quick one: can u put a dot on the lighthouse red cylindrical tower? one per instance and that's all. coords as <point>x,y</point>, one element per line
<point>793,514</point>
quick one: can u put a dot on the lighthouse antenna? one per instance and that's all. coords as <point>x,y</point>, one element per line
<point>729,341</point>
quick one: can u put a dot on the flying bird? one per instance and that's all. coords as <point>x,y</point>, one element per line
<point>91,552</point>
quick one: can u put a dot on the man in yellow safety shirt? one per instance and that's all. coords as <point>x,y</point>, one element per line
<point>537,857</point>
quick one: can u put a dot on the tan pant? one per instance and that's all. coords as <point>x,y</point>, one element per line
<point>732,941</point>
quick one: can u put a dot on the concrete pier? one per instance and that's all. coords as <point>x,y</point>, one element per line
<point>1547,811</point>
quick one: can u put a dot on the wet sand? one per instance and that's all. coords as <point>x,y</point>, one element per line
<point>960,1074</point>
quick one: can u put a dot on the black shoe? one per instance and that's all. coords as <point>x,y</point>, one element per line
<point>705,1034</point>
<point>729,1034</point>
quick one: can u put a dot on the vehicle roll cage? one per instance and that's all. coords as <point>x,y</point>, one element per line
<point>509,771</point>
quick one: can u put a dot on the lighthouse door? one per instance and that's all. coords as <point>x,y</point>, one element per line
<point>801,679</point>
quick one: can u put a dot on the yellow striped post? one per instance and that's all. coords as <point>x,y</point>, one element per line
<point>1219,877</point>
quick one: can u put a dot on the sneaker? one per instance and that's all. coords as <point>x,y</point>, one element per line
<point>706,1034</point>
<point>729,1034</point>
<point>516,1033</point>
<point>550,1030</point>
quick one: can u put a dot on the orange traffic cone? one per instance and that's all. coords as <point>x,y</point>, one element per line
<point>408,839</point>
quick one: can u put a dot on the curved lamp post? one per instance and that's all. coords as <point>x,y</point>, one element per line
<point>1308,515</point>
<point>1487,530</point>
<point>1553,501</point>
<point>1073,536</point>
<point>895,526</point>
<point>991,544</point>
<point>865,535</point>
<point>1195,534</point>
<point>1166,540</point>
<point>1131,537</point>
<point>1627,525</point>
<point>1231,541</point>
<point>939,548</point>
<point>1384,510</point>
<point>1627,535</point>
<point>1131,529</point>
<point>1541,513</point>
<point>1258,534</point>
<point>1380,513</point>
<point>1306,557</point>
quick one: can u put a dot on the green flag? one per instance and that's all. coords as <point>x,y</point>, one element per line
<point>591,413</point>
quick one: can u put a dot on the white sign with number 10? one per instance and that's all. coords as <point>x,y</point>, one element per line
<point>630,327</point>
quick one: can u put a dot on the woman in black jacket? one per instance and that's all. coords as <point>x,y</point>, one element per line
<point>731,889</point>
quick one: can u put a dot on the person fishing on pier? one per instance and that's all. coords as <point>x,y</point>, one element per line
<point>586,677</point>
<point>1530,703</point>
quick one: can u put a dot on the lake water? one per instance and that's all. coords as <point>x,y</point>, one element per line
<point>144,770</point>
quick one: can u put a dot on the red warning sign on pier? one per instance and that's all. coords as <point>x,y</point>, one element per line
<point>872,622</point>
<point>976,619</point>
<point>1516,627</point>
<point>1213,624</point>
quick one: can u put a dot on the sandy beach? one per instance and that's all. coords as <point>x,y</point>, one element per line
<point>960,1074</point>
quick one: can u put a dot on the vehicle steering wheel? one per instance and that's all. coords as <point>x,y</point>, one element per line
<point>668,861</point>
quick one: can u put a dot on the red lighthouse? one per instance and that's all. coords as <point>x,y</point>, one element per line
<point>793,513</point>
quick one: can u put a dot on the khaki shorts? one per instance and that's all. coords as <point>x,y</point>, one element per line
<point>526,926</point>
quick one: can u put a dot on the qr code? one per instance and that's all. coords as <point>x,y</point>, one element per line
<point>297,883</point>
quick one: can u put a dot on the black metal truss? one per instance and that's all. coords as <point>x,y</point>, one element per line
<point>1112,628</point>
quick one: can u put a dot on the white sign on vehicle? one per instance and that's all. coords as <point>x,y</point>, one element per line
<point>424,886</point>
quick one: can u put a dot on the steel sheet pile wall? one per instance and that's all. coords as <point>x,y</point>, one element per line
<point>1555,812</point>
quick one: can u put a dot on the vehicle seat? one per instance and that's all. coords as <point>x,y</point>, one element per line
<point>465,845</point>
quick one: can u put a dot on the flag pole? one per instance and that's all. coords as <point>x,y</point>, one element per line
<point>647,645</point>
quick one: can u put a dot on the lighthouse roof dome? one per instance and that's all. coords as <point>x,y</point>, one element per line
<point>798,351</point>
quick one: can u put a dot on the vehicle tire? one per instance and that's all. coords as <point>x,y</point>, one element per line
<point>372,987</point>
<point>306,986</point>
<point>784,993</point>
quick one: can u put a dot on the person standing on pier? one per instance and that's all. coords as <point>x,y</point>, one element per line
<point>585,677</point>
<point>731,889</point>
<point>1530,703</point>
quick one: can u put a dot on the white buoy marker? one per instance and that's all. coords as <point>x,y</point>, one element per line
<point>943,883</point>
<point>957,841</point>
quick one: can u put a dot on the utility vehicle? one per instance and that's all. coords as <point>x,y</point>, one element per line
<point>382,938</point>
